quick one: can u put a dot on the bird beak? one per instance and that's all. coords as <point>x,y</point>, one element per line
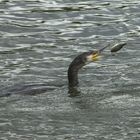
<point>96,56</point>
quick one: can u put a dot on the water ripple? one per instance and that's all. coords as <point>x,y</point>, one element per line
<point>39,39</point>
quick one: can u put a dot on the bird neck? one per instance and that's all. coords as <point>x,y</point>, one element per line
<point>73,76</point>
<point>74,67</point>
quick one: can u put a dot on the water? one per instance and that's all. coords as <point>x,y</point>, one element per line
<point>38,40</point>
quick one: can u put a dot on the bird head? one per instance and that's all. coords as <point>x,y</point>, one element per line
<point>93,56</point>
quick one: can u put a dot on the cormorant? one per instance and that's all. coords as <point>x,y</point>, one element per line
<point>77,64</point>
<point>73,69</point>
<point>82,60</point>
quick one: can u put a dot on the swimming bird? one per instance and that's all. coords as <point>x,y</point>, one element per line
<point>74,67</point>
<point>79,62</point>
<point>82,60</point>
